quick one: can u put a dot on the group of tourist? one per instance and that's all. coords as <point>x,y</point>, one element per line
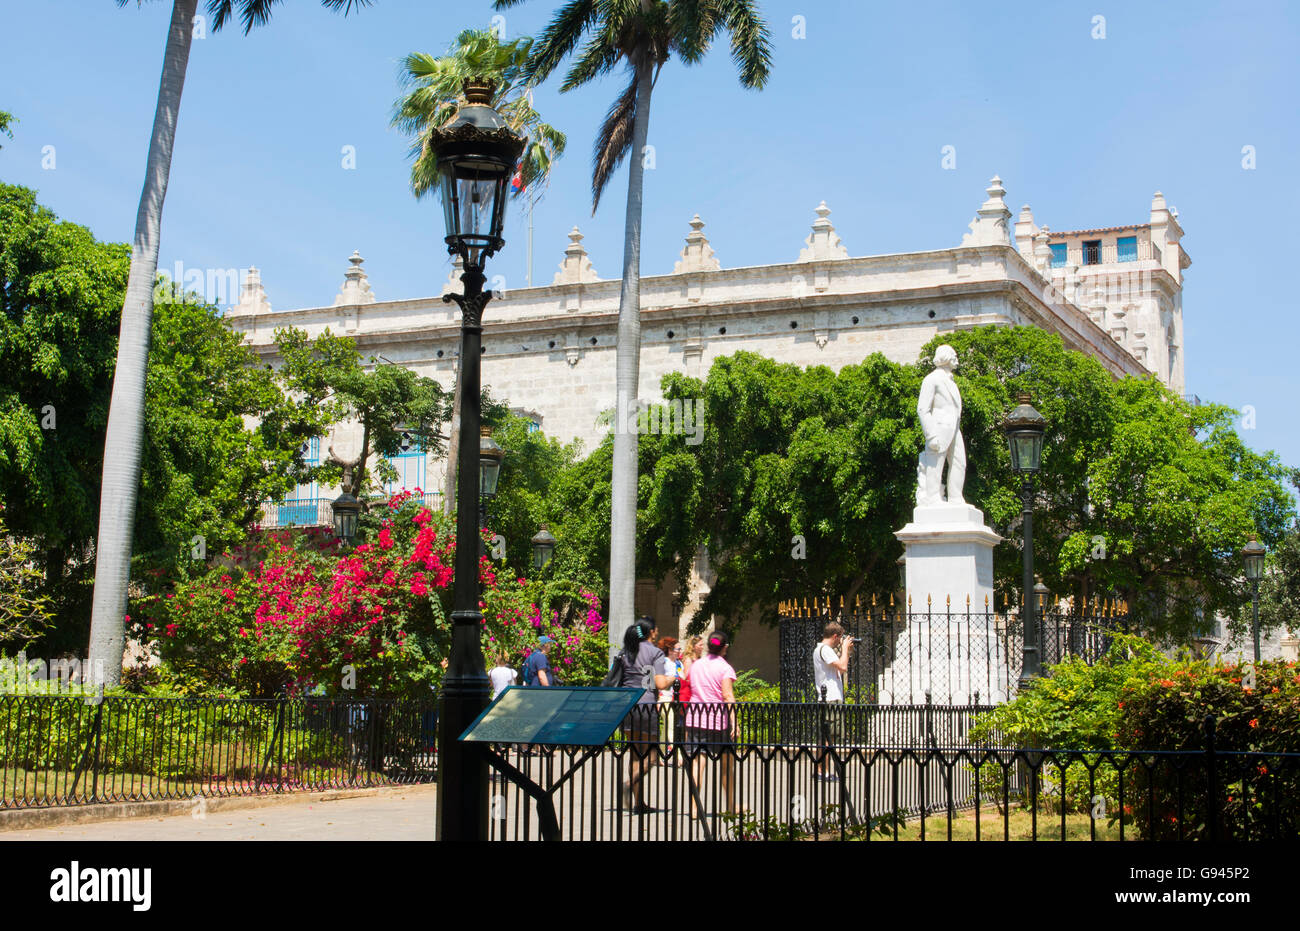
<point>703,680</point>
<point>705,688</point>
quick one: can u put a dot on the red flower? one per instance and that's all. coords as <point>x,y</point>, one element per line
<point>1254,722</point>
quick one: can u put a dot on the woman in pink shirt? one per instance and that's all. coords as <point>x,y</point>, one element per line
<point>710,716</point>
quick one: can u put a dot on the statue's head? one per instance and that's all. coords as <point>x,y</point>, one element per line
<point>945,357</point>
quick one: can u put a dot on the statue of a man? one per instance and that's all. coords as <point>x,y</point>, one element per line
<point>940,411</point>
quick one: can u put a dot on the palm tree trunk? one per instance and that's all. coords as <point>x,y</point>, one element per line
<point>125,435</point>
<point>453,448</point>
<point>622,523</point>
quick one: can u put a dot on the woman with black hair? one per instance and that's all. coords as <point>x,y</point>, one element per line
<point>644,667</point>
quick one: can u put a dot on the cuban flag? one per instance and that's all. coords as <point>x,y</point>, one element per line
<point>517,182</point>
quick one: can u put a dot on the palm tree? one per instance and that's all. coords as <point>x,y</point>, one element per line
<point>125,434</point>
<point>432,97</point>
<point>641,35</point>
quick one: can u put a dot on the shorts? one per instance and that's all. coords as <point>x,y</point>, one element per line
<point>833,722</point>
<point>641,726</point>
<point>708,738</point>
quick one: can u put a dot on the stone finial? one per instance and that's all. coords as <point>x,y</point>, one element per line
<point>576,266</point>
<point>453,282</point>
<point>991,226</point>
<point>1159,209</point>
<point>1025,230</point>
<point>356,284</point>
<point>822,243</point>
<point>1043,252</point>
<point>698,255</point>
<point>252,297</point>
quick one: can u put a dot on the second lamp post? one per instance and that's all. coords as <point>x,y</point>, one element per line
<point>1025,428</point>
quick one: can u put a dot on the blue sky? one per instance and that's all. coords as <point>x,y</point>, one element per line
<point>856,113</point>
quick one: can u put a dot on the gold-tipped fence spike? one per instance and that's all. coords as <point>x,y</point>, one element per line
<point>909,602</point>
<point>927,600</point>
<point>968,602</point>
<point>891,599</point>
<point>947,599</point>
<point>873,599</point>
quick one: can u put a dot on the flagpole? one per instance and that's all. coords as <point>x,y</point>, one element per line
<point>530,244</point>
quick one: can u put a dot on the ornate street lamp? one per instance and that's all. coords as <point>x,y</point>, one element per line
<point>489,471</point>
<point>346,510</point>
<point>476,154</point>
<point>490,455</point>
<point>1024,428</point>
<point>1253,554</point>
<point>543,548</point>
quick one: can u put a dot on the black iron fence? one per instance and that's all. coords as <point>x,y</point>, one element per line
<point>954,657</point>
<point>689,785</point>
<point>67,750</point>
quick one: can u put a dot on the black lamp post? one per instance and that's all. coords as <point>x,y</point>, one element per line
<point>1024,428</point>
<point>476,154</point>
<point>1253,554</point>
<point>543,548</point>
<point>346,510</point>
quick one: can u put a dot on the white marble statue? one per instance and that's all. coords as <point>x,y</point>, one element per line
<point>939,408</point>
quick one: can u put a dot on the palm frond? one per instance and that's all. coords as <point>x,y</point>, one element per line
<point>613,141</point>
<point>751,40</point>
<point>345,5</point>
<point>560,38</point>
<point>598,58</point>
<point>694,23</point>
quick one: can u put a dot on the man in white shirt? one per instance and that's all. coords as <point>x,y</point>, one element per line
<point>829,668</point>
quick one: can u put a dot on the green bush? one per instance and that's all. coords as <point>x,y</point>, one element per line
<point>1137,699</point>
<point>1256,709</point>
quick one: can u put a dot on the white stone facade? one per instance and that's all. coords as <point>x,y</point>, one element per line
<point>550,350</point>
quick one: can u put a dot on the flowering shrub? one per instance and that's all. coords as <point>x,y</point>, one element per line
<point>304,616</point>
<point>1256,707</point>
<point>1138,699</point>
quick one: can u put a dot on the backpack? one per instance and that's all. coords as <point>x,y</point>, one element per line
<point>614,678</point>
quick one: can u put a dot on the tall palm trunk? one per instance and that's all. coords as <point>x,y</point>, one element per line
<point>125,437</point>
<point>453,447</point>
<point>622,522</point>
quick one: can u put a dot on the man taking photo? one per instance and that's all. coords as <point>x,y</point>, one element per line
<point>829,667</point>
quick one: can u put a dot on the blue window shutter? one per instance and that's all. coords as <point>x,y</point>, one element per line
<point>1126,249</point>
<point>1058,254</point>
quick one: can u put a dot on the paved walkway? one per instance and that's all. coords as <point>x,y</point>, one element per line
<point>408,814</point>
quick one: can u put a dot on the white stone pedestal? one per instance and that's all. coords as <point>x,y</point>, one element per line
<point>952,648</point>
<point>949,554</point>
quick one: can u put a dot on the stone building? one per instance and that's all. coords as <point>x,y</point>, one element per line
<point>1113,292</point>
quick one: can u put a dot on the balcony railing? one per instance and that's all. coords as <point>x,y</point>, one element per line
<point>318,512</point>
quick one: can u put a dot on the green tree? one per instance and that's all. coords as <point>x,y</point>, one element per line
<point>6,121</point>
<point>1141,496</point>
<point>206,472</point>
<point>124,442</point>
<point>803,477</point>
<point>24,608</point>
<point>1279,593</point>
<point>60,295</point>
<point>386,399</point>
<point>641,35</point>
